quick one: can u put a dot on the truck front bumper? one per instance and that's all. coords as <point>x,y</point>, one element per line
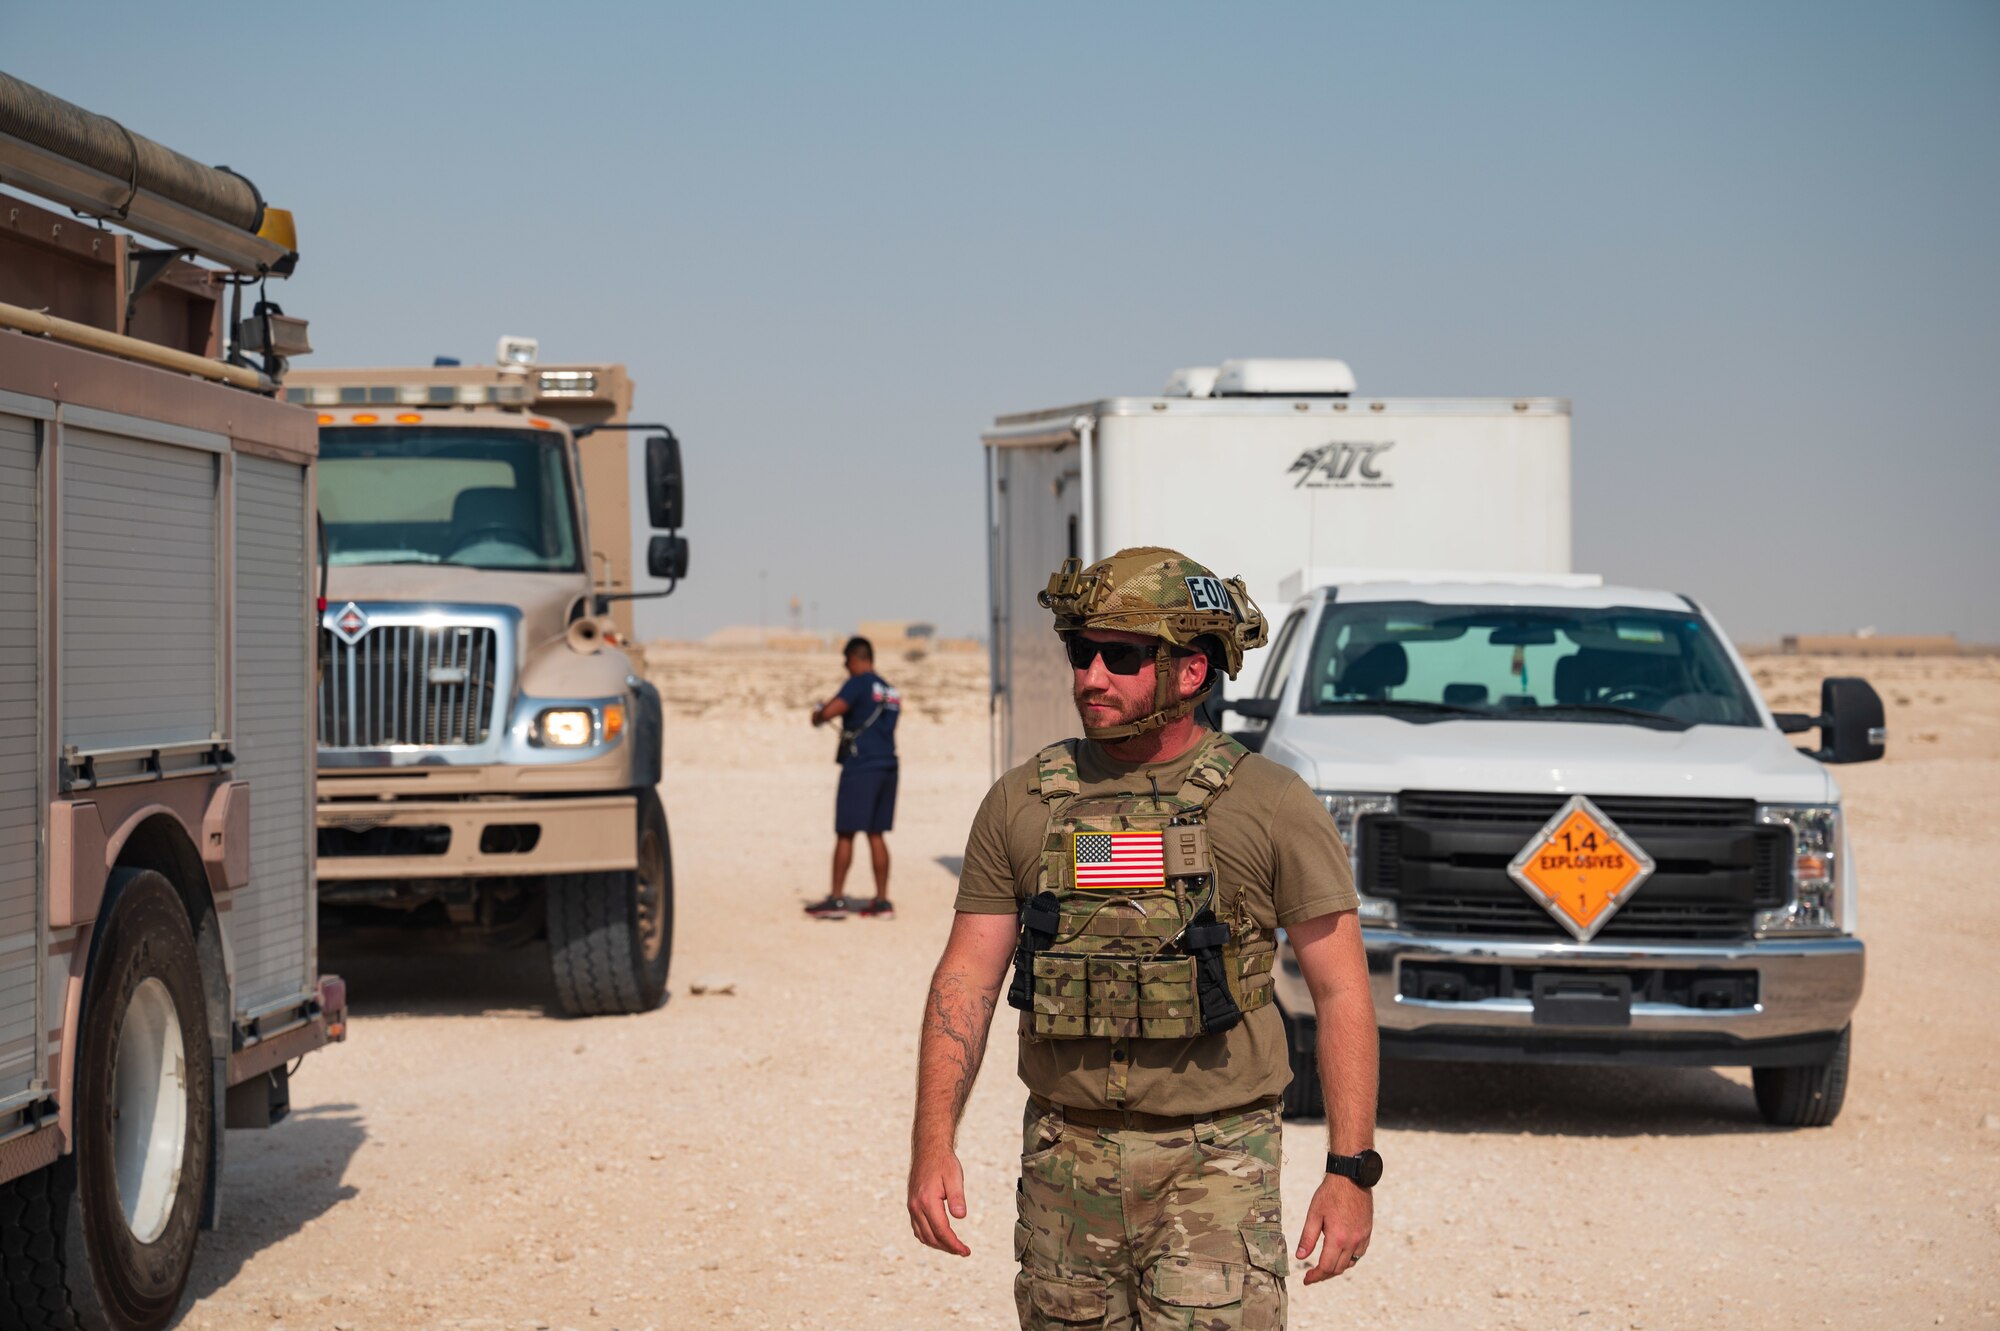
<point>475,838</point>
<point>1763,1001</point>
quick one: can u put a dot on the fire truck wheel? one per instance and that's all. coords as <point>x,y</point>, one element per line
<point>1303,1097</point>
<point>611,935</point>
<point>103,1238</point>
<point>1804,1097</point>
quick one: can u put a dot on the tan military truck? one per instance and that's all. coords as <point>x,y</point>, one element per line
<point>489,753</point>
<point>158,967</point>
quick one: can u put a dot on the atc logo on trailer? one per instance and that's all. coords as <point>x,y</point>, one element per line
<point>1339,466</point>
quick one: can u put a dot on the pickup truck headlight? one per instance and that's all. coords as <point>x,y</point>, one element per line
<point>1815,896</point>
<point>1348,809</point>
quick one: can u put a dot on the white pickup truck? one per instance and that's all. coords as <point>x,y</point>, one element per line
<point>1578,833</point>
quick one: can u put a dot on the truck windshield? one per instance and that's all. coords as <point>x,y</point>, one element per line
<point>496,499</point>
<point>1424,662</point>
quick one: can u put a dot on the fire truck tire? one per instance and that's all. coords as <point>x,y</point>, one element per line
<point>102,1240</point>
<point>1804,1097</point>
<point>1304,1097</point>
<point>611,935</point>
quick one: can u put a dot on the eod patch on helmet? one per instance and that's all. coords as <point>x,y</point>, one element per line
<point>1158,593</point>
<point>1206,592</point>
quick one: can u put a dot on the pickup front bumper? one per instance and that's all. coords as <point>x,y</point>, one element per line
<point>1763,1002</point>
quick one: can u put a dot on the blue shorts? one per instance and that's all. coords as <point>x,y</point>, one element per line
<point>866,801</point>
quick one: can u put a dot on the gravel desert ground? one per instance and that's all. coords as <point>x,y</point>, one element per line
<point>736,1158</point>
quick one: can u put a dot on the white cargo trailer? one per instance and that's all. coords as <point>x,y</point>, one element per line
<point>1260,469</point>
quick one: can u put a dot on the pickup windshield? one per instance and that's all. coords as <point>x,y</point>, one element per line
<point>494,498</point>
<point>1424,663</point>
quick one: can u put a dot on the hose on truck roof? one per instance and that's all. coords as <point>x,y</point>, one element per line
<point>101,143</point>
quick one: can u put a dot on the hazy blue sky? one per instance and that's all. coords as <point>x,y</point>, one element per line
<point>1756,244</point>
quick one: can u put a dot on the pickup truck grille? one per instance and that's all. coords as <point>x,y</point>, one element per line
<point>406,684</point>
<point>1443,856</point>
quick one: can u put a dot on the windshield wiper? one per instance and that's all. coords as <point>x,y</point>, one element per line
<point>1408,709</point>
<point>1611,712</point>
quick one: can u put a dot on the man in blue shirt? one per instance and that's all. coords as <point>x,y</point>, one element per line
<point>867,707</point>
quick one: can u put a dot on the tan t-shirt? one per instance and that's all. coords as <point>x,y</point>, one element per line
<point>1271,840</point>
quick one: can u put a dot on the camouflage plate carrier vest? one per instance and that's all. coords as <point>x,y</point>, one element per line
<point>1174,957</point>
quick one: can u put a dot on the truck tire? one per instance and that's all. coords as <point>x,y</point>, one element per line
<point>1304,1097</point>
<point>102,1240</point>
<point>611,935</point>
<point>1804,1097</point>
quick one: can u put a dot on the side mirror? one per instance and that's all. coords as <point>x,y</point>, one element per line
<point>1256,709</point>
<point>667,557</point>
<point>1851,723</point>
<point>664,488</point>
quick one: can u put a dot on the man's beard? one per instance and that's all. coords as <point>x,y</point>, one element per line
<point>1123,714</point>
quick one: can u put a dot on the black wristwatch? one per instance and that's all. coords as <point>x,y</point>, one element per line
<point>1364,1169</point>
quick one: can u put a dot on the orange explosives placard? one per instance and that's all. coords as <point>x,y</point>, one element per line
<point>1581,867</point>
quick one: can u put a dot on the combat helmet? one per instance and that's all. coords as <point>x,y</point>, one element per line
<point>1162,594</point>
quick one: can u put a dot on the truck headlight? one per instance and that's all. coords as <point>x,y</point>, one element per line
<point>577,725</point>
<point>1815,896</point>
<point>566,727</point>
<point>1348,809</point>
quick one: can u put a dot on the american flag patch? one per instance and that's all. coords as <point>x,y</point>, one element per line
<point>1119,859</point>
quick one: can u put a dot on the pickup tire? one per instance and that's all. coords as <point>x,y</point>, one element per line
<point>1304,1097</point>
<point>1804,1097</point>
<point>103,1239</point>
<point>611,935</point>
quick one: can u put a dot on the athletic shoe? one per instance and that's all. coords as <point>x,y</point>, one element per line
<point>832,908</point>
<point>876,910</point>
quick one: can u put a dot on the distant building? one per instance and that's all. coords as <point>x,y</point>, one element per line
<point>910,639</point>
<point>1868,643</point>
<point>771,639</point>
<point>882,631</point>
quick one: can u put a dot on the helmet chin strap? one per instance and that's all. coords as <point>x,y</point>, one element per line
<point>1165,709</point>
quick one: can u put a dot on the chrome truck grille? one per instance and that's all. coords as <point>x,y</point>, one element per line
<point>430,686</point>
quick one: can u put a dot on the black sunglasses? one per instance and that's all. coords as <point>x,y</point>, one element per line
<point>1120,658</point>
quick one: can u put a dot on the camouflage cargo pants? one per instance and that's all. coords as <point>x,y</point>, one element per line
<point>1150,1231</point>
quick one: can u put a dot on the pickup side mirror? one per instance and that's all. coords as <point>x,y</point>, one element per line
<point>667,557</point>
<point>1851,726</point>
<point>1256,709</point>
<point>664,488</point>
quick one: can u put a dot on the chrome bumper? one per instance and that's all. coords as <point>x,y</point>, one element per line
<point>1805,986</point>
<point>581,835</point>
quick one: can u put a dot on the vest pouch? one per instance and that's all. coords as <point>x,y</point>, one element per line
<point>1112,996</point>
<point>1252,977</point>
<point>1059,996</point>
<point>1168,1009</point>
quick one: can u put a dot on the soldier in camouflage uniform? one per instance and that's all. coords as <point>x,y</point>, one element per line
<point>1136,880</point>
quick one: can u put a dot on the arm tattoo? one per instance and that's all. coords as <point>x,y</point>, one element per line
<point>956,1021</point>
<point>963,1020</point>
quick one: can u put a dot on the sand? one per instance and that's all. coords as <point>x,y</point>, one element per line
<point>737,1159</point>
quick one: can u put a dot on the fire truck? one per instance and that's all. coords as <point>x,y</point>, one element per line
<point>489,749</point>
<point>158,958</point>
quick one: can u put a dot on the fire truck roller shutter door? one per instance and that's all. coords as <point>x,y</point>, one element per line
<point>20,808</point>
<point>267,918</point>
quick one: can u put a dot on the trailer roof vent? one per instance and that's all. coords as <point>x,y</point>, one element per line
<point>1284,378</point>
<point>1194,381</point>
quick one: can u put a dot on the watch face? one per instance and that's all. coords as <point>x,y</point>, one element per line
<point>1370,1172</point>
